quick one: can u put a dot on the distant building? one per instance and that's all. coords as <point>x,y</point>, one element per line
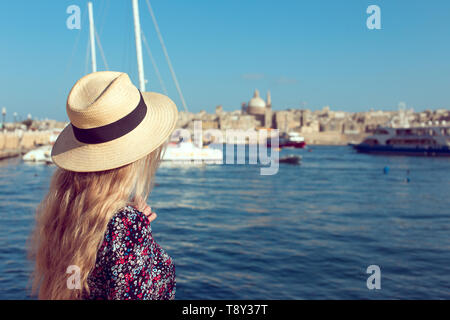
<point>261,110</point>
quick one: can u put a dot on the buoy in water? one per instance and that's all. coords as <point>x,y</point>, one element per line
<point>386,170</point>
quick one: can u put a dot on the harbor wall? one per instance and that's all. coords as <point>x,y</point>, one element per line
<point>332,138</point>
<point>16,143</point>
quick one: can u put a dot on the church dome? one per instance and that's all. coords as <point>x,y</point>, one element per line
<point>256,101</point>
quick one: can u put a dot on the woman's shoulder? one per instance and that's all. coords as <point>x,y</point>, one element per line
<point>130,214</point>
<point>130,223</point>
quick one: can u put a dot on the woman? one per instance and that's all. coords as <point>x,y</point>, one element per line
<point>93,226</point>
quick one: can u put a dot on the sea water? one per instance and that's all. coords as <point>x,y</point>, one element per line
<point>307,232</point>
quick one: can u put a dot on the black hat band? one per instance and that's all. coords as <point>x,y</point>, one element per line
<point>113,130</point>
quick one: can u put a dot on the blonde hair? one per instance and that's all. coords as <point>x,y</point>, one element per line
<point>72,219</point>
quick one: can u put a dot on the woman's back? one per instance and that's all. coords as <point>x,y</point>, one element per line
<point>130,264</point>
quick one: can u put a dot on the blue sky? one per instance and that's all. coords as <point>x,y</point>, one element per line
<point>307,53</point>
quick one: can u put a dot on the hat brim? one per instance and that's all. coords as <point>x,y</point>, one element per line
<point>158,124</point>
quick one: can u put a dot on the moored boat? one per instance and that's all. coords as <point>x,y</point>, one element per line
<point>41,154</point>
<point>187,152</point>
<point>290,159</point>
<point>290,140</point>
<point>416,141</point>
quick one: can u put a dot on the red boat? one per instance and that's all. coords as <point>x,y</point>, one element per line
<point>290,140</point>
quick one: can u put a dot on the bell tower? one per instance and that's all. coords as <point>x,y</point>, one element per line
<point>268,112</point>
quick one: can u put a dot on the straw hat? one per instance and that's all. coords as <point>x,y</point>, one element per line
<point>112,123</point>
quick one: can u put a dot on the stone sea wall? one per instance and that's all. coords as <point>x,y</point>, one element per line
<point>18,142</point>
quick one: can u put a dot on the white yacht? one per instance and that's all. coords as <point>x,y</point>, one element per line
<point>188,153</point>
<point>41,154</point>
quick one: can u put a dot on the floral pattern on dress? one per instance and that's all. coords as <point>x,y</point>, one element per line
<point>130,264</point>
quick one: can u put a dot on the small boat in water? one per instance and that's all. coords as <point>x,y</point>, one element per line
<point>290,159</point>
<point>416,141</point>
<point>290,140</point>
<point>41,154</point>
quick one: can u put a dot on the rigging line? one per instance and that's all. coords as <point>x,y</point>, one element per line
<point>97,38</point>
<point>167,55</point>
<point>125,39</point>
<point>104,15</point>
<point>129,61</point>
<point>86,70</point>
<point>161,82</point>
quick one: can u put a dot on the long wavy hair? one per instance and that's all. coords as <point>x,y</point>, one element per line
<point>72,219</point>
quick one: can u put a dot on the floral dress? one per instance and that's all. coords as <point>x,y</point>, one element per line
<point>130,264</point>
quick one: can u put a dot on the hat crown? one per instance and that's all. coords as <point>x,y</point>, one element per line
<point>101,98</point>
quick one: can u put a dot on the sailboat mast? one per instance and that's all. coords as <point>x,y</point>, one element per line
<point>92,37</point>
<point>137,34</point>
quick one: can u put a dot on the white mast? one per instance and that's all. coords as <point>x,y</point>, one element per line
<point>137,34</point>
<point>92,37</point>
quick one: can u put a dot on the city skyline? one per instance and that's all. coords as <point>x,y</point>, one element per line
<point>308,54</point>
